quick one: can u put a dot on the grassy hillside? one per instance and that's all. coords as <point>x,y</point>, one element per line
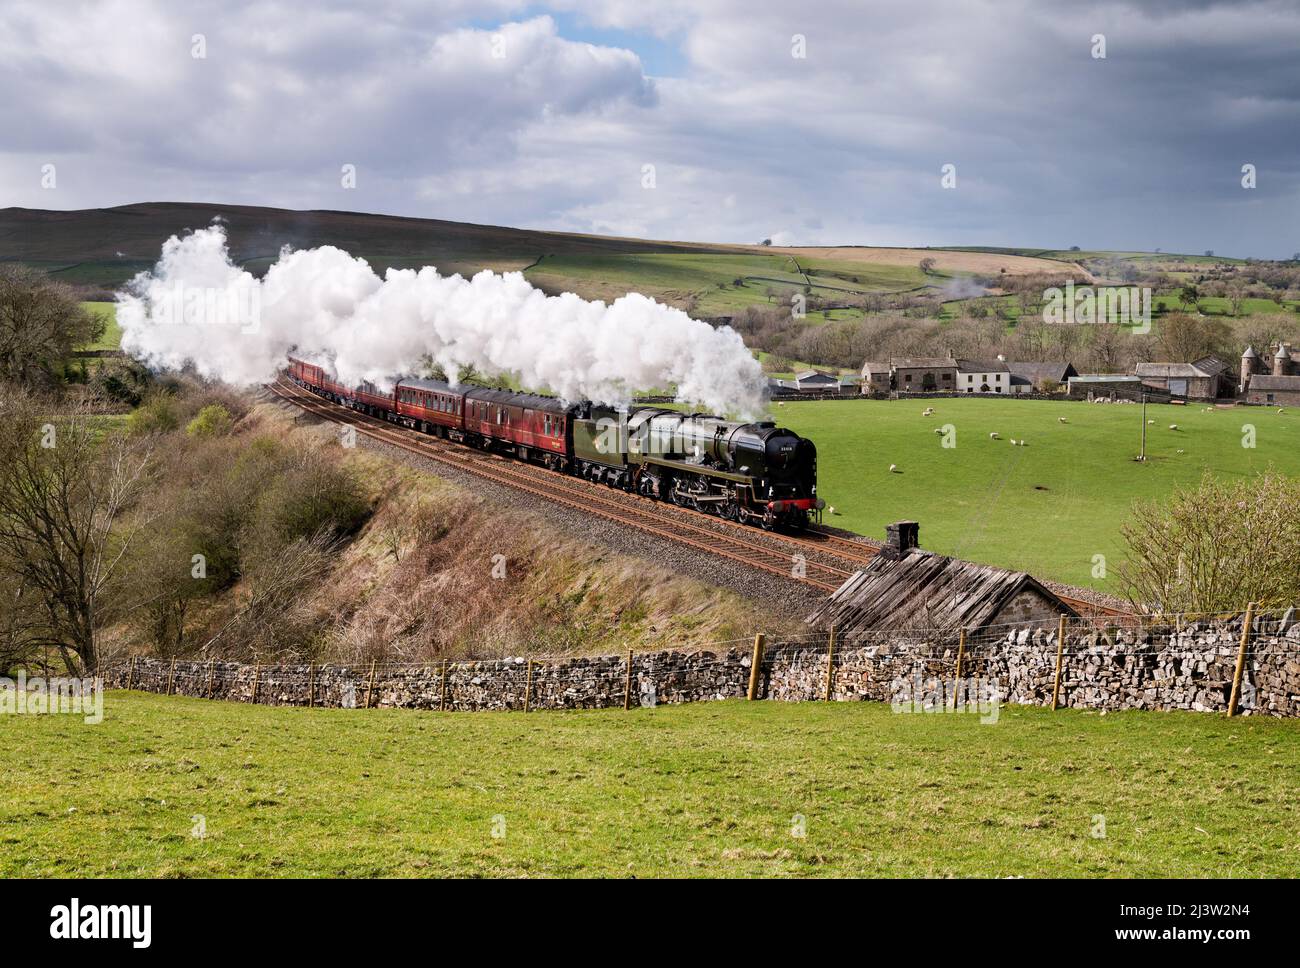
<point>710,789</point>
<point>1047,507</point>
<point>105,247</point>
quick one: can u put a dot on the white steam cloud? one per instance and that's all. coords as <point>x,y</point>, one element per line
<point>197,307</point>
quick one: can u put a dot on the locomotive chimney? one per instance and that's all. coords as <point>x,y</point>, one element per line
<point>900,539</point>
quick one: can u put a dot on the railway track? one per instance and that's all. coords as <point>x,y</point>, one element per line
<point>829,558</point>
<point>646,515</point>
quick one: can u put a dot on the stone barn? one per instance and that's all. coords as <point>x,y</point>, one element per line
<point>905,587</point>
<point>877,377</point>
<point>1205,379</point>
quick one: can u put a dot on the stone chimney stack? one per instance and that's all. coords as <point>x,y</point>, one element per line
<point>901,539</point>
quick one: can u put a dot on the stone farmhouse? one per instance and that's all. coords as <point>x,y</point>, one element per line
<point>934,374</point>
<point>983,376</point>
<point>924,374</point>
<point>1274,382</point>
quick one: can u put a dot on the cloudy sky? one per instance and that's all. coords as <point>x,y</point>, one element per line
<point>718,120</point>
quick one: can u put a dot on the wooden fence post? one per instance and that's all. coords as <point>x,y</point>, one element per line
<point>627,683</point>
<point>257,674</point>
<point>528,683</point>
<point>760,640</point>
<point>130,676</point>
<point>830,666</point>
<point>961,654</point>
<point>370,686</point>
<point>212,672</point>
<point>442,701</point>
<point>171,675</point>
<point>1060,652</point>
<point>1241,660</point>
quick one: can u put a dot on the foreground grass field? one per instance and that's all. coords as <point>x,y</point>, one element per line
<point>1047,507</point>
<point>705,789</point>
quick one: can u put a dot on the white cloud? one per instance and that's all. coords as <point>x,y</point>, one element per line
<point>845,145</point>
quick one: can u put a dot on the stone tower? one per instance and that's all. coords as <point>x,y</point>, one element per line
<point>1281,359</point>
<point>1249,361</point>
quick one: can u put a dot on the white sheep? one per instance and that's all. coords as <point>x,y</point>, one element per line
<point>1180,450</point>
<point>1173,426</point>
<point>1062,419</point>
<point>831,510</point>
<point>893,468</point>
<point>1151,423</point>
<point>994,436</point>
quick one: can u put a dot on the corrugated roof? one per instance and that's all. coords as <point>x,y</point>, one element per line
<point>1206,366</point>
<point>922,589</point>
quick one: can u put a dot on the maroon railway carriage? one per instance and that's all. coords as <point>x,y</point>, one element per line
<point>430,406</point>
<point>531,427</point>
<point>366,397</point>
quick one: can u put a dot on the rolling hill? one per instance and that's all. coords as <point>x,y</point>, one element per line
<point>103,248</point>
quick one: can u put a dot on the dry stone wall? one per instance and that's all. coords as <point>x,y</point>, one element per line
<point>1189,668</point>
<point>570,683</point>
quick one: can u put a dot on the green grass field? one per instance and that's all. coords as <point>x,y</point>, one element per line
<point>1046,508</point>
<point>711,277</point>
<point>710,789</point>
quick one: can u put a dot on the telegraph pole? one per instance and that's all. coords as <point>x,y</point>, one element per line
<point>1143,456</point>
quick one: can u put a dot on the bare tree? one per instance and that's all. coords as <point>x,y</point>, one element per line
<point>41,322</point>
<point>1216,547</point>
<point>64,487</point>
<point>1185,338</point>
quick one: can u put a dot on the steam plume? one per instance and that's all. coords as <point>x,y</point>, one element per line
<point>323,304</point>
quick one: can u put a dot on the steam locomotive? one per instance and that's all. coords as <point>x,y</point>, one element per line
<point>756,473</point>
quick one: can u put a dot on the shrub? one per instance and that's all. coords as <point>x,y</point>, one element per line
<point>312,498</point>
<point>1216,547</point>
<point>157,415</point>
<point>212,421</point>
